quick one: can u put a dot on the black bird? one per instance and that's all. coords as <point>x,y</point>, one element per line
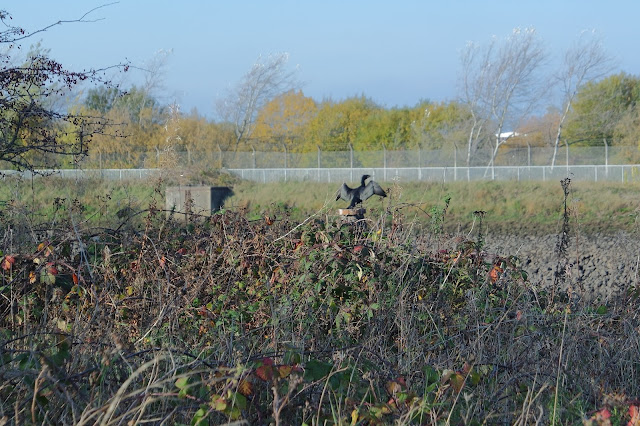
<point>357,195</point>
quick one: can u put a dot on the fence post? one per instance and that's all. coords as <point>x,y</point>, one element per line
<point>219,156</point>
<point>253,156</point>
<point>285,161</point>
<point>419,162</point>
<point>606,157</point>
<point>455,162</point>
<point>319,163</point>
<point>567,155</point>
<point>384,159</point>
<point>351,160</point>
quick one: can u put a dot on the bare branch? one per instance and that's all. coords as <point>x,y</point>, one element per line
<point>24,35</point>
<point>585,60</point>
<point>266,79</point>
<point>501,84</point>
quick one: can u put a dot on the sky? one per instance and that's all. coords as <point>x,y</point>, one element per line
<point>396,53</point>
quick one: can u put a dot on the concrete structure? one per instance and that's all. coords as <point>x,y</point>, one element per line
<point>199,200</point>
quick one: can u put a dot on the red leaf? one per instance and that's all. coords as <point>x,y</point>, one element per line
<point>74,277</point>
<point>265,372</point>
<point>51,268</point>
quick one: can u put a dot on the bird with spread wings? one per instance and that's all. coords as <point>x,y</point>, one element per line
<point>357,195</point>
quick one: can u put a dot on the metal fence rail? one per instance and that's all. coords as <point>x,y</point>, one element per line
<point>594,173</point>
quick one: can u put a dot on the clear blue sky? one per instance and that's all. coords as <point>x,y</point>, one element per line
<point>395,52</point>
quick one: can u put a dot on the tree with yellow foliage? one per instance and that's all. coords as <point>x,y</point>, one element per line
<point>283,120</point>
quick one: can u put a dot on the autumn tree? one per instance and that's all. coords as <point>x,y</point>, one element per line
<point>337,124</point>
<point>268,77</point>
<point>284,118</point>
<point>599,106</point>
<point>388,127</point>
<point>136,117</point>
<point>34,132</point>
<point>500,85</point>
<point>439,125</point>
<point>584,61</point>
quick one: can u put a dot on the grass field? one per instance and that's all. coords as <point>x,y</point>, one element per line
<point>515,207</point>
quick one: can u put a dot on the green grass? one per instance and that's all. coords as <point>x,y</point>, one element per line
<point>520,207</point>
<point>511,207</point>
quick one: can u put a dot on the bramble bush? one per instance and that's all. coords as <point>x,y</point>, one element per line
<point>221,319</point>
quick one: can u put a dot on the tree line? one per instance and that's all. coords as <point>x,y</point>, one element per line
<point>51,117</point>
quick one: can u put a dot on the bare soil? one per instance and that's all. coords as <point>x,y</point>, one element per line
<point>599,265</point>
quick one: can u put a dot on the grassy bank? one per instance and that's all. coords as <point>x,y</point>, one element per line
<point>512,207</point>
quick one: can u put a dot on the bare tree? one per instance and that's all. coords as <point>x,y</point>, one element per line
<point>34,132</point>
<point>501,84</point>
<point>154,73</point>
<point>267,78</point>
<point>585,60</point>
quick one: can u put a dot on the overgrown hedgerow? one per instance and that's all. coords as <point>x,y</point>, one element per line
<point>224,319</point>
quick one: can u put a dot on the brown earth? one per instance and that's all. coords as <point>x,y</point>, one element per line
<point>605,265</point>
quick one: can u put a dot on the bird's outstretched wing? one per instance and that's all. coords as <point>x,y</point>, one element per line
<point>343,193</point>
<point>372,188</point>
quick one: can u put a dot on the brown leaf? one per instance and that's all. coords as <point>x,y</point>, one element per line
<point>457,382</point>
<point>245,388</point>
<point>7,262</point>
<point>495,272</point>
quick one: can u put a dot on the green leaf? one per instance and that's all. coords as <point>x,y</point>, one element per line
<point>198,416</point>
<point>602,309</point>
<point>291,357</point>
<point>316,370</point>
<point>239,401</point>
<point>431,375</point>
<point>218,402</point>
<point>46,277</point>
<point>182,382</point>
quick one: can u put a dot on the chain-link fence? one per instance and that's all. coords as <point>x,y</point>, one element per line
<point>451,157</point>
<point>519,163</point>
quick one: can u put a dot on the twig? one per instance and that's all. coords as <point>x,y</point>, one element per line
<point>555,399</point>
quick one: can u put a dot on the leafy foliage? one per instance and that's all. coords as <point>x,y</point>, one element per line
<point>599,107</point>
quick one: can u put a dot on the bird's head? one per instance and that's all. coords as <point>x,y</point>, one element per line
<point>364,178</point>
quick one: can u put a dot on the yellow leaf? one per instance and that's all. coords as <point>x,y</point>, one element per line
<point>284,370</point>
<point>354,417</point>
<point>393,387</point>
